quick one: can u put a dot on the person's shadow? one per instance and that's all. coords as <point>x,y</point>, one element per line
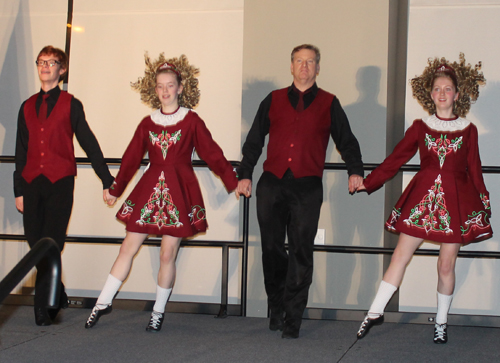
<point>16,84</point>
<point>358,220</point>
<point>254,92</point>
<point>484,115</point>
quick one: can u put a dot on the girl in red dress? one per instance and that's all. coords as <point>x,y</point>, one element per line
<point>167,200</point>
<point>447,200</point>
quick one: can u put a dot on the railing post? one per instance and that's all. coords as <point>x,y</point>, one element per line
<point>244,256</point>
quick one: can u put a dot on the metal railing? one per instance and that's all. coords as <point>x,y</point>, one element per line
<point>226,245</point>
<point>48,248</point>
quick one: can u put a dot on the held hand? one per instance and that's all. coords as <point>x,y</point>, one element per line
<point>108,198</point>
<point>244,188</point>
<point>355,182</point>
<point>20,204</point>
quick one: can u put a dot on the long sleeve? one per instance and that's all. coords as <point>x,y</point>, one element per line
<point>89,143</point>
<point>131,161</point>
<point>403,152</point>
<point>210,152</point>
<point>252,148</point>
<point>22,139</point>
<point>345,141</point>
<point>475,169</point>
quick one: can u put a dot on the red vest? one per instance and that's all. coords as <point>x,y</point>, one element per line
<point>298,140</point>
<point>50,145</point>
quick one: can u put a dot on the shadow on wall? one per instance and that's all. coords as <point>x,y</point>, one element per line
<point>358,219</point>
<point>16,84</point>
<point>486,111</point>
<point>254,92</point>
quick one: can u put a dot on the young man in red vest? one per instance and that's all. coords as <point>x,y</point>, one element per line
<point>299,120</point>
<point>45,166</point>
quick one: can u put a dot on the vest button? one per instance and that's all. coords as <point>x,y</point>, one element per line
<point>41,166</point>
<point>41,129</point>
<point>42,154</point>
<point>291,145</point>
<point>289,159</point>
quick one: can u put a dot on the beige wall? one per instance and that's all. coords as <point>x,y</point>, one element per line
<point>243,51</point>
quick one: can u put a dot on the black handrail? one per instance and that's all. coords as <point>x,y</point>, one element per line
<point>48,248</point>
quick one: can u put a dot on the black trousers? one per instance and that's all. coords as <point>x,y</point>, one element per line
<point>47,209</point>
<point>288,207</point>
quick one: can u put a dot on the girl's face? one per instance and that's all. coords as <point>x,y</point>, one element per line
<point>444,94</point>
<point>168,91</point>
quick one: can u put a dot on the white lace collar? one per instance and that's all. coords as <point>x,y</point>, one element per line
<point>168,120</point>
<point>438,124</point>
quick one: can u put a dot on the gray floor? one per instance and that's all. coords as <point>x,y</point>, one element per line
<point>120,337</point>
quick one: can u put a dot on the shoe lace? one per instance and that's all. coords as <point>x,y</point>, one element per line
<point>363,325</point>
<point>155,319</point>
<point>93,315</point>
<point>439,331</point>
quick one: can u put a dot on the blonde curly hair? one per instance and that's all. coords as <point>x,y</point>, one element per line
<point>190,95</point>
<point>468,79</point>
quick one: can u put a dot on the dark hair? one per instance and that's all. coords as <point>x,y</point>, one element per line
<point>307,46</point>
<point>57,53</point>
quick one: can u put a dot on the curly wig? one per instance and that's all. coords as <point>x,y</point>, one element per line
<point>190,95</point>
<point>469,78</point>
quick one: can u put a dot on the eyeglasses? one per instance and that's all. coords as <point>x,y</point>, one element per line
<point>50,63</point>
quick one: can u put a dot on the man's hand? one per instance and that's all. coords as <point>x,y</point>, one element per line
<point>244,188</point>
<point>355,182</point>
<point>20,204</point>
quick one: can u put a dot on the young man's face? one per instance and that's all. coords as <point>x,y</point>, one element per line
<point>46,73</point>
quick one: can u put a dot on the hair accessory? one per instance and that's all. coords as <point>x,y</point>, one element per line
<point>169,66</point>
<point>190,95</point>
<point>468,79</point>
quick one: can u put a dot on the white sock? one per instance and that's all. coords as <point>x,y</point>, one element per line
<point>108,292</point>
<point>444,303</point>
<point>384,294</point>
<point>162,296</point>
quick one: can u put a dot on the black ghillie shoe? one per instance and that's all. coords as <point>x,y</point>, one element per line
<point>96,314</point>
<point>155,322</point>
<point>276,321</point>
<point>367,324</point>
<point>440,333</point>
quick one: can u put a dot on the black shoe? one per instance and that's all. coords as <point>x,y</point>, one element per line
<point>42,317</point>
<point>155,322</point>
<point>276,320</point>
<point>63,304</point>
<point>440,333</point>
<point>290,330</point>
<point>63,301</point>
<point>367,324</point>
<point>96,314</point>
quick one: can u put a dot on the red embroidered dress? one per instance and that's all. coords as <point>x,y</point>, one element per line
<point>446,201</point>
<point>167,199</point>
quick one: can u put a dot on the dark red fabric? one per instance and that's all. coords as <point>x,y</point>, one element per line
<point>298,140</point>
<point>50,145</point>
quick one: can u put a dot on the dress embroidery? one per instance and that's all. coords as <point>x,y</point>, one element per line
<point>431,213</point>
<point>160,209</point>
<point>127,209</point>
<point>164,140</point>
<point>197,214</point>
<point>477,221</point>
<point>442,146</point>
<point>396,213</point>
